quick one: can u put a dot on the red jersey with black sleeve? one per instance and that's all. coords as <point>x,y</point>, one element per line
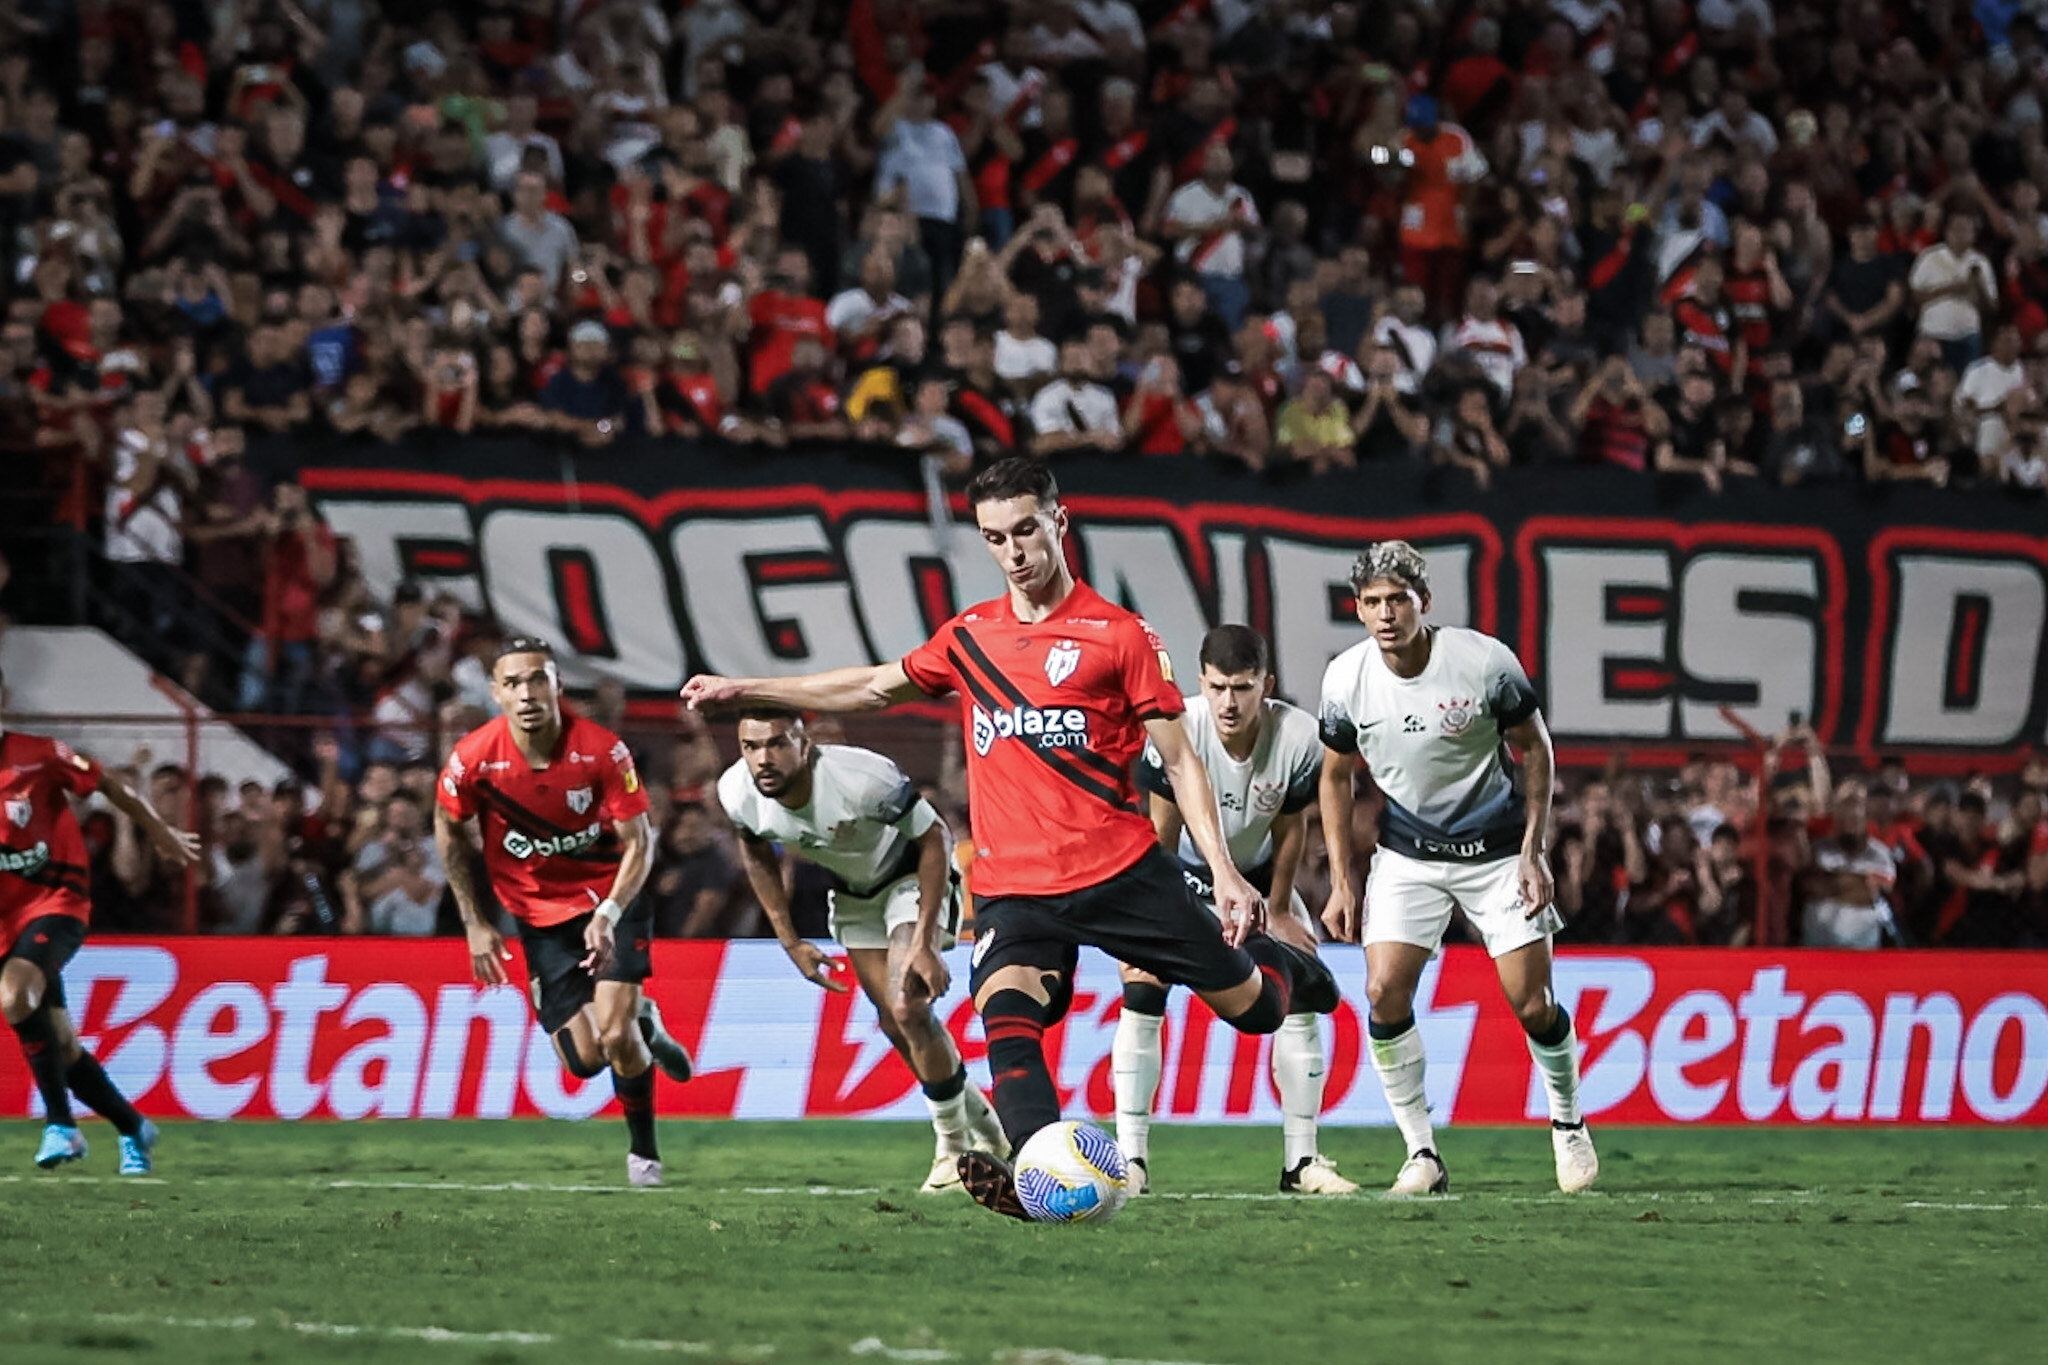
<point>550,853</point>
<point>1054,713</point>
<point>43,868</point>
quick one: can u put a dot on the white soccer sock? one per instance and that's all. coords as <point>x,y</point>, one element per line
<point>1559,1065</point>
<point>1298,1076</point>
<point>949,1121</point>
<point>1399,1061</point>
<point>1134,1064</point>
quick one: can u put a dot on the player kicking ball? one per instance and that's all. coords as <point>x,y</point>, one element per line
<point>1263,758</point>
<point>1429,709</point>
<point>545,808</point>
<point>45,908</point>
<point>895,899</point>
<point>1059,691</point>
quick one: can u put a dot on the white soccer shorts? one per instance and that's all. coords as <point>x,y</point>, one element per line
<point>867,922</point>
<point>1409,900</point>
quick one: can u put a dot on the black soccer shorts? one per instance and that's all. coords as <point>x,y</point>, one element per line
<point>554,962</point>
<point>1145,916</point>
<point>49,941</point>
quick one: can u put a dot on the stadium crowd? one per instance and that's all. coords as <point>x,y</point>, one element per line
<point>1797,244</point>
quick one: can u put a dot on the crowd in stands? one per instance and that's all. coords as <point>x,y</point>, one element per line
<point>1713,242</point>
<point>1730,240</point>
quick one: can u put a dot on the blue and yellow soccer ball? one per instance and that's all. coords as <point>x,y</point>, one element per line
<point>1072,1173</point>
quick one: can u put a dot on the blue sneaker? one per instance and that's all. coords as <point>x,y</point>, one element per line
<point>135,1150</point>
<point>61,1143</point>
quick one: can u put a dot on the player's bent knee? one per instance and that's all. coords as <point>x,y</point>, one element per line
<point>1263,1012</point>
<point>1390,999</point>
<point>1036,982</point>
<point>19,998</point>
<point>1144,996</point>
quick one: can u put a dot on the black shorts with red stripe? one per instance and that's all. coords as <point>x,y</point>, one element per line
<point>1145,916</point>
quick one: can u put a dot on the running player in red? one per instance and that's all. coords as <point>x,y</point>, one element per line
<point>546,805</point>
<point>1059,690</point>
<point>44,911</point>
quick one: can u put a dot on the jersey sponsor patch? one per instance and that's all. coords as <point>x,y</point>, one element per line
<point>629,777</point>
<point>1042,727</point>
<point>1165,666</point>
<point>26,862</point>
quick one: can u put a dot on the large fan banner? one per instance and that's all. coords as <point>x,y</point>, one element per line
<point>349,1029</point>
<point>1648,614</point>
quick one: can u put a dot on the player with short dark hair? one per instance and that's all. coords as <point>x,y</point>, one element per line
<point>1059,690</point>
<point>1432,710</point>
<point>1263,758</point>
<point>45,908</point>
<point>895,898</point>
<point>544,807</point>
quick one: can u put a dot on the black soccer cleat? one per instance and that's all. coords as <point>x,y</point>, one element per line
<point>671,1056</point>
<point>1315,986</point>
<point>990,1182</point>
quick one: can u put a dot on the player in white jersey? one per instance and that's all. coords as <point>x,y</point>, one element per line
<point>1263,758</point>
<point>1432,710</point>
<point>895,899</point>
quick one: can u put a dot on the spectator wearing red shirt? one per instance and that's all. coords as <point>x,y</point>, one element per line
<point>782,315</point>
<point>300,564</point>
<point>1159,419</point>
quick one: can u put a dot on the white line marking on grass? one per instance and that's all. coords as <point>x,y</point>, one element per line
<point>1043,1357</point>
<point>872,1346</point>
<point>811,1189</point>
<point>503,1187</point>
<point>83,1179</point>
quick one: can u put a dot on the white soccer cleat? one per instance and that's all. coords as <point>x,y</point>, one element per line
<point>1141,1174</point>
<point>642,1172</point>
<point>1422,1173</point>
<point>945,1176</point>
<point>1578,1165</point>
<point>984,1129</point>
<point>1315,1175</point>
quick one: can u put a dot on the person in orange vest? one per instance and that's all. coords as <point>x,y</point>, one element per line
<point>1440,160</point>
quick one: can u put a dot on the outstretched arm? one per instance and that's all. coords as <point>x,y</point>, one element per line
<point>872,687</point>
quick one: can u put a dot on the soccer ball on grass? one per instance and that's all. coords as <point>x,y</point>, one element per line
<point>1072,1173</point>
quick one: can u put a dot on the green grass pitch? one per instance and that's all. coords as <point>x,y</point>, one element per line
<point>513,1242</point>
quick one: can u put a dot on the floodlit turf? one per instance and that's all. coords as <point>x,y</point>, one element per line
<point>329,1243</point>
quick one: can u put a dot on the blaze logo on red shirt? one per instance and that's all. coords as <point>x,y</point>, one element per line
<point>42,850</point>
<point>1052,730</point>
<point>549,850</point>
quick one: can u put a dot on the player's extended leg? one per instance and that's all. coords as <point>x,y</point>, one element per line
<point>1554,1045</point>
<point>23,991</point>
<point>91,1085</point>
<point>615,1013</point>
<point>1136,1056</point>
<point>1018,1001</point>
<point>1392,971</point>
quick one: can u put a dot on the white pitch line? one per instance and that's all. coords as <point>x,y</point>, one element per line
<point>84,1179</point>
<point>446,1336</point>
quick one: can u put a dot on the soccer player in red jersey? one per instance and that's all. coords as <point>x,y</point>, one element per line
<point>1059,690</point>
<point>546,805</point>
<point>44,911</point>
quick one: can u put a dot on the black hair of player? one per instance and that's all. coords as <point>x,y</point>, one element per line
<point>1016,476</point>
<point>1235,649</point>
<point>768,713</point>
<point>521,644</point>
